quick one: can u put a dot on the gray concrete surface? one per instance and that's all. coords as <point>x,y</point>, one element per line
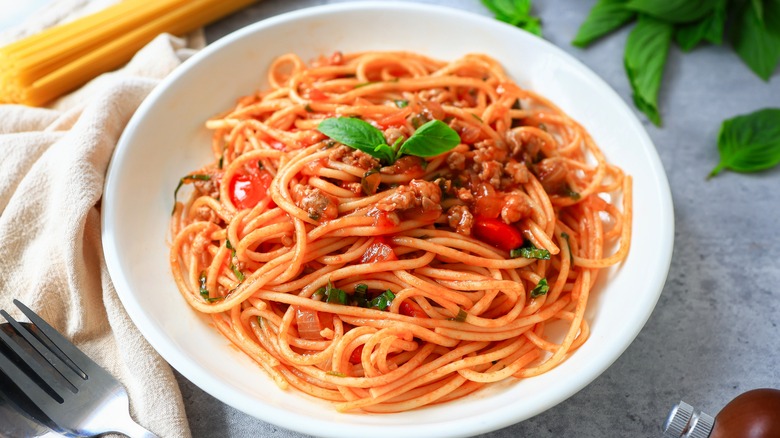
<point>714,332</point>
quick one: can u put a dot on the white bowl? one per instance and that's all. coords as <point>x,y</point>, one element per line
<point>166,139</point>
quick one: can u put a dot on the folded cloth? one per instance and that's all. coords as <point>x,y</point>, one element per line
<point>53,163</point>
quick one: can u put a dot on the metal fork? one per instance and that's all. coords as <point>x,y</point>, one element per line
<point>74,392</point>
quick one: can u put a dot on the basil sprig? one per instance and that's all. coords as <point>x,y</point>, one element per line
<point>749,143</point>
<point>753,27</point>
<point>431,139</point>
<point>515,12</point>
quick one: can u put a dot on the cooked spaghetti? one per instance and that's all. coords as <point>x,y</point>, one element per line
<point>382,284</point>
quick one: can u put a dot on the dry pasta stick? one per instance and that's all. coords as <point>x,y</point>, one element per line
<point>37,69</point>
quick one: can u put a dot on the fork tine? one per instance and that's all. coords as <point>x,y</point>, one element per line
<point>57,388</point>
<point>28,386</point>
<point>70,352</point>
<point>66,370</point>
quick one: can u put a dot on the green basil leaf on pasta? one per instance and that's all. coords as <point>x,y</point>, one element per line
<point>710,29</point>
<point>431,139</point>
<point>354,133</point>
<point>750,142</point>
<point>647,47</point>
<point>529,251</point>
<point>605,17</point>
<point>187,179</point>
<point>541,288</point>
<point>758,47</point>
<point>673,11</point>
<point>383,300</point>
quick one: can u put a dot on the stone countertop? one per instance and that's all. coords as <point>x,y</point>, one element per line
<point>714,332</point>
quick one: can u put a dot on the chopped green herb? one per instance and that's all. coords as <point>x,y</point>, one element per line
<point>476,117</point>
<point>314,216</point>
<point>571,193</point>
<point>319,294</point>
<point>308,108</point>
<point>221,159</point>
<point>568,244</point>
<point>401,103</point>
<point>382,300</point>
<point>540,289</point>
<point>462,315</point>
<point>330,294</point>
<point>239,275</point>
<point>363,84</point>
<point>260,165</point>
<point>204,292</point>
<point>529,251</point>
<point>186,179</point>
<point>336,374</point>
<point>361,288</point>
<point>335,295</point>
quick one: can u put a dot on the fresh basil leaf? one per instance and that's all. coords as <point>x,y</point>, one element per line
<point>532,25</point>
<point>772,16</point>
<point>541,288</point>
<point>710,28</point>
<point>645,57</point>
<point>431,139</point>
<point>673,11</point>
<point>385,153</point>
<point>516,13</point>
<point>509,11</point>
<point>754,43</point>
<point>354,133</point>
<point>750,142</point>
<point>603,18</point>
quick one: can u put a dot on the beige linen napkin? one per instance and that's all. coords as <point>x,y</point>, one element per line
<point>52,169</point>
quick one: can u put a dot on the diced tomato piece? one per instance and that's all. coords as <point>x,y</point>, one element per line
<point>247,189</point>
<point>489,206</point>
<point>410,308</point>
<point>317,94</point>
<point>379,251</point>
<point>356,354</point>
<point>497,233</point>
